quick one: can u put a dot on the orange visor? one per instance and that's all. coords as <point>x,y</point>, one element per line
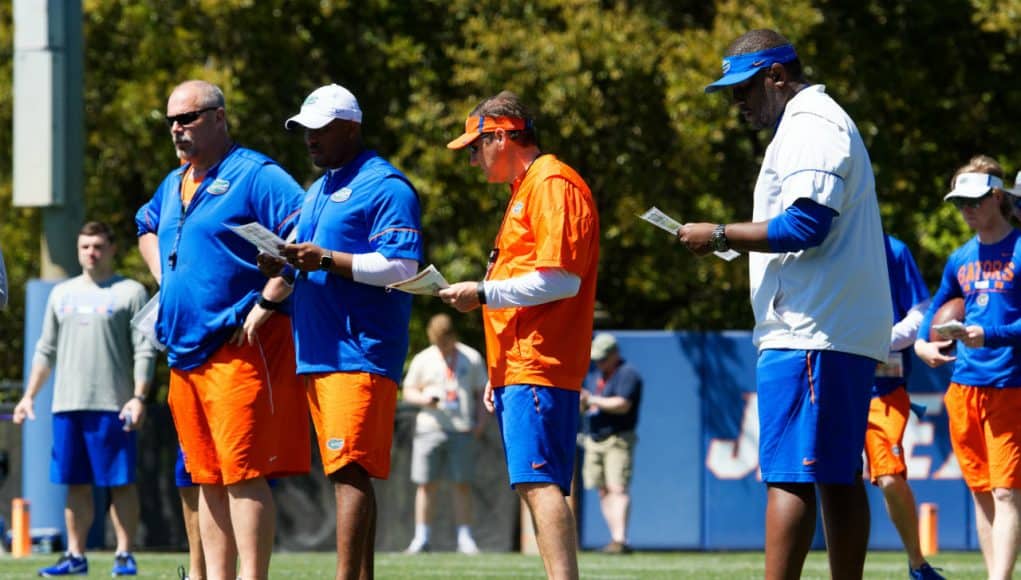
<point>476,126</point>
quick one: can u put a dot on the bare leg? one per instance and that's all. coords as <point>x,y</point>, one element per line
<point>900,504</point>
<point>462,504</point>
<point>190,510</point>
<point>78,515</point>
<point>1006,532</point>
<point>615,503</point>
<point>253,519</point>
<point>845,516</point>
<point>217,533</point>
<point>554,529</point>
<point>124,515</point>
<point>790,525</point>
<point>423,503</point>
<point>356,522</point>
<point>984,512</point>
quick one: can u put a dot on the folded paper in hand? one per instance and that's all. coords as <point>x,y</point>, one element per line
<point>654,216</point>
<point>427,282</point>
<point>144,321</point>
<point>260,237</point>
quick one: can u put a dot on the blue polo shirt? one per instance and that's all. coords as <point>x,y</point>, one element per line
<point>339,324</point>
<point>906,289</point>
<point>210,279</point>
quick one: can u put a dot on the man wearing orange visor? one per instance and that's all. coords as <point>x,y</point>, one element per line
<point>537,300</point>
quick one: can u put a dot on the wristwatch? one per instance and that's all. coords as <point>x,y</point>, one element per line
<point>326,261</point>
<point>719,240</point>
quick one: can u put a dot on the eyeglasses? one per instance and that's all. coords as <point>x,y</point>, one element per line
<point>185,119</point>
<point>475,145</point>
<point>969,202</point>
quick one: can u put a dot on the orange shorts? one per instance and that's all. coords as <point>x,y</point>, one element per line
<point>888,417</point>
<point>243,413</point>
<point>985,429</point>
<point>353,413</point>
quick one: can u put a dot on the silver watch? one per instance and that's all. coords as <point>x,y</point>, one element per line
<point>719,240</point>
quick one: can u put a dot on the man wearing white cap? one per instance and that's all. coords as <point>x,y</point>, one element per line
<point>360,229</point>
<point>821,298</point>
<point>983,400</point>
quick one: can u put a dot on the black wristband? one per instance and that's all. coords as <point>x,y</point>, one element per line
<point>140,398</point>
<point>481,291</point>
<point>267,304</point>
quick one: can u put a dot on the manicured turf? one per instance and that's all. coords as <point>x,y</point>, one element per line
<point>656,565</point>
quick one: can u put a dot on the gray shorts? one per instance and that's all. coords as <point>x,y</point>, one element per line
<point>442,456</point>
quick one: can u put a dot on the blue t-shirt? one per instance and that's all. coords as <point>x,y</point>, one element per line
<point>907,288</point>
<point>210,278</point>
<point>624,382</point>
<point>339,324</point>
<point>986,276</point>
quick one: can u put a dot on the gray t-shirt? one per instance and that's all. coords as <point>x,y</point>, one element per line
<point>454,382</point>
<point>88,340</point>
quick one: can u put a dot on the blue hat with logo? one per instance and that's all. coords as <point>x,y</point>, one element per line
<point>741,67</point>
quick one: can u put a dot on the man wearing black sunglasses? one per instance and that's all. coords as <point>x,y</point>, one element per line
<point>230,401</point>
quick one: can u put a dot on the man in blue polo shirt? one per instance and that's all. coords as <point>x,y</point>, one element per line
<point>240,412</point>
<point>360,229</point>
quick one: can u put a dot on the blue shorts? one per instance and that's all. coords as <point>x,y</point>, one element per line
<point>539,426</point>
<point>181,476</point>
<point>813,411</point>
<point>92,447</point>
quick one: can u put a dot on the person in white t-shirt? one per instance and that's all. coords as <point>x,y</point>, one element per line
<point>446,380</point>
<point>821,298</point>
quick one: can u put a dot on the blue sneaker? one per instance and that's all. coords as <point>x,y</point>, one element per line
<point>924,572</point>
<point>124,565</point>
<point>67,565</point>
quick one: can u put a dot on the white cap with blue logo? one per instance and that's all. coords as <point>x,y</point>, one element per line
<point>324,105</point>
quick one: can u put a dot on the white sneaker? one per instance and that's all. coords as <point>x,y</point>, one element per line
<point>417,546</point>
<point>466,545</point>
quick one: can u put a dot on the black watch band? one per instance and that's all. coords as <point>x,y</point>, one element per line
<point>267,304</point>
<point>481,291</point>
<point>326,261</point>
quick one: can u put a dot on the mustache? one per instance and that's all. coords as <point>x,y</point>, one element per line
<point>182,141</point>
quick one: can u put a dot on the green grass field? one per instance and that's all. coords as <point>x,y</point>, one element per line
<point>657,565</point>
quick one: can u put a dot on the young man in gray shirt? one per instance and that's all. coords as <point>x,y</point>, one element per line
<point>103,372</point>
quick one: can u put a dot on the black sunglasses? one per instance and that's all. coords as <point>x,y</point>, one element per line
<point>185,119</point>
<point>970,202</point>
<point>475,145</point>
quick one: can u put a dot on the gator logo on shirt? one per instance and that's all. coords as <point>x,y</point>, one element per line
<point>218,187</point>
<point>341,195</point>
<point>335,444</point>
<point>982,299</point>
<point>516,209</point>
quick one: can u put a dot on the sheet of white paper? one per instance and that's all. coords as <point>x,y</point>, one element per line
<point>260,237</point>
<point>654,216</point>
<point>948,328</point>
<point>427,282</point>
<point>145,321</point>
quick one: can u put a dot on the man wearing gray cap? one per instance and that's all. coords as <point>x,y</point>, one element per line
<point>360,229</point>
<point>610,402</point>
